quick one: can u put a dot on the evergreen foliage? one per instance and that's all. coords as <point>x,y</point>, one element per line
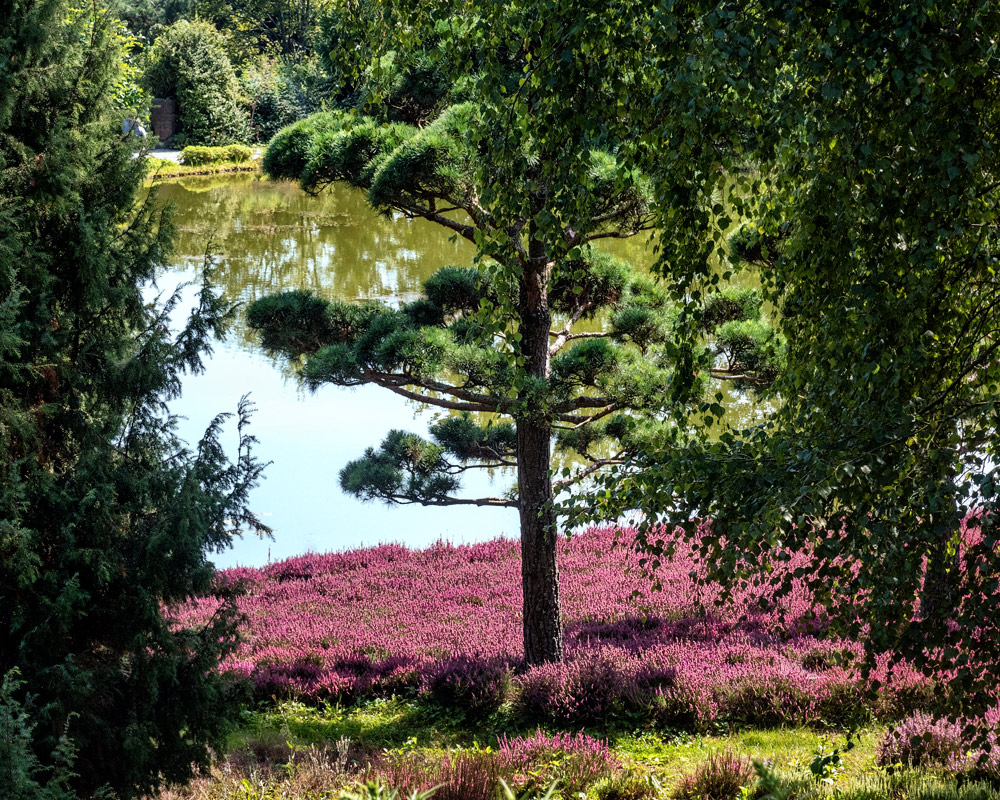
<point>105,516</point>
<point>502,338</point>
<point>189,63</point>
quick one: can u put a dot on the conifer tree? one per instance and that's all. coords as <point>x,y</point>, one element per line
<point>500,339</point>
<point>105,516</point>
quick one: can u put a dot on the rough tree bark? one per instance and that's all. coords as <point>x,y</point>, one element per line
<point>543,638</point>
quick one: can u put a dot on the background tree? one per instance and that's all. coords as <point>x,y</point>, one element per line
<point>875,221</point>
<point>189,63</point>
<point>105,517</point>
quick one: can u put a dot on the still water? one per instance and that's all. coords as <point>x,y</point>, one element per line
<point>271,237</point>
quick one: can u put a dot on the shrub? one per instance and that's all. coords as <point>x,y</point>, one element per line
<point>922,740</point>
<point>288,152</point>
<point>189,63</point>
<point>587,689</point>
<point>720,777</point>
<point>196,156</point>
<point>477,686</point>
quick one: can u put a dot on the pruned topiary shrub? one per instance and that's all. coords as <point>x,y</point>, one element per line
<point>287,153</point>
<point>197,156</point>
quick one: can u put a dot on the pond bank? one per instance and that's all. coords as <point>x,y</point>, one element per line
<point>160,169</point>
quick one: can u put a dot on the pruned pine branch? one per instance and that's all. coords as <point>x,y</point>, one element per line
<point>408,469</point>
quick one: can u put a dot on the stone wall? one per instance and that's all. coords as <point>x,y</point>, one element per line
<point>164,119</point>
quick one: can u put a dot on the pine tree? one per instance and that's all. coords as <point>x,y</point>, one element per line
<point>105,517</point>
<point>501,338</point>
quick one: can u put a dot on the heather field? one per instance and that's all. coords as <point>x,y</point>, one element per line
<point>387,669</point>
<point>444,623</point>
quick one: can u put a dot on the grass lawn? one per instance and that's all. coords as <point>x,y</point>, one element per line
<point>295,751</point>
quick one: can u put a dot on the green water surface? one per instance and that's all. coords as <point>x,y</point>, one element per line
<point>269,237</point>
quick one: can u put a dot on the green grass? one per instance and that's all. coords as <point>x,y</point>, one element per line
<point>160,169</point>
<point>288,751</point>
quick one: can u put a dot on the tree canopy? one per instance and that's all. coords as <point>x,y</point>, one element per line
<point>502,337</point>
<point>872,209</point>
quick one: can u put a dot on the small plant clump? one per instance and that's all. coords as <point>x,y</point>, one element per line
<point>723,776</point>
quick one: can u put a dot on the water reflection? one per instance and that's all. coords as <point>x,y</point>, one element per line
<point>271,237</point>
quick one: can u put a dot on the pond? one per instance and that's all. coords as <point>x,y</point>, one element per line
<point>269,237</point>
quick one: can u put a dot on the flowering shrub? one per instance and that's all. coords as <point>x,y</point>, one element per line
<point>477,686</point>
<point>720,777</point>
<point>922,740</point>
<point>446,622</point>
<point>525,764</point>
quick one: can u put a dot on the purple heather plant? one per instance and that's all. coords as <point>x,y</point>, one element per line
<point>445,622</point>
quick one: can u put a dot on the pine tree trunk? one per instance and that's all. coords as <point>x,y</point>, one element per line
<point>543,640</point>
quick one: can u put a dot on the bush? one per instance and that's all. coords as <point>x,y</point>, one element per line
<point>922,740</point>
<point>279,92</point>
<point>188,62</point>
<point>288,152</point>
<point>587,689</point>
<point>720,777</point>
<point>478,686</point>
<point>197,156</point>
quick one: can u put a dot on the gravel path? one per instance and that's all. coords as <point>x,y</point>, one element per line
<point>167,155</point>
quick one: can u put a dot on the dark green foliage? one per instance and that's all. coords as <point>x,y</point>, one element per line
<point>873,212</point>
<point>642,325</point>
<point>404,469</point>
<point>466,439</point>
<point>423,311</point>
<point>457,289</point>
<point>351,155</point>
<point>584,364</point>
<point>188,62</point>
<point>748,244</point>
<point>287,153</point>
<point>105,516</point>
<point>593,282</point>
<point>411,93</point>
<point>752,349</point>
<point>729,306</point>
<point>279,92</point>
<point>434,163</point>
<point>293,322</point>
<point>23,775</point>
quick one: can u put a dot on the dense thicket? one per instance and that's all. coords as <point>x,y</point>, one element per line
<point>104,515</point>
